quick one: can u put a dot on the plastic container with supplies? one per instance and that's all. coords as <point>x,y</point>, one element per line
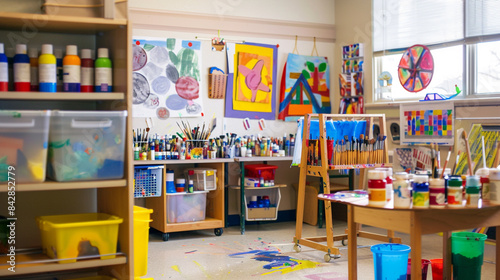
<point>204,179</point>
<point>186,207</point>
<point>68,237</point>
<point>148,180</point>
<point>86,145</point>
<point>24,139</point>
<point>141,240</point>
<point>262,204</point>
<point>264,171</point>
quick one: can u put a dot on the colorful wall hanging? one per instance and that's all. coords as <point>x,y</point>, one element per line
<point>306,87</point>
<point>166,78</point>
<point>251,83</point>
<point>416,68</point>
<point>427,122</point>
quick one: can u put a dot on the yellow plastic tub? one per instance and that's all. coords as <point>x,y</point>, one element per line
<point>67,237</point>
<point>141,240</point>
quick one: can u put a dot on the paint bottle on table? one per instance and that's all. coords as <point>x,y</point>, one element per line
<point>71,69</point>
<point>494,186</point>
<point>180,185</point>
<point>420,191</point>
<point>389,185</point>
<point>47,70</point>
<point>170,181</point>
<point>137,152</point>
<point>58,53</point>
<point>21,69</point>
<point>376,188</point>
<point>4,70</point>
<point>103,72</point>
<point>455,192</point>
<point>484,175</point>
<point>472,190</point>
<point>402,190</point>
<point>437,192</point>
<point>33,54</point>
<point>87,77</point>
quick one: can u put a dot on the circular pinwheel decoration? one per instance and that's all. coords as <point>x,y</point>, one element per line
<point>415,68</point>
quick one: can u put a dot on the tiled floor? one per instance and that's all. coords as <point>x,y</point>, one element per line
<point>266,252</point>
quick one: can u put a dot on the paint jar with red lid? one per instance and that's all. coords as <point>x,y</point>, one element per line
<point>377,188</point>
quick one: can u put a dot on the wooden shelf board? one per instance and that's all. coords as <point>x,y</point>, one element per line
<point>35,95</point>
<point>208,223</point>
<point>260,188</point>
<point>51,185</point>
<point>40,263</point>
<point>250,159</point>
<point>183,161</point>
<point>57,23</point>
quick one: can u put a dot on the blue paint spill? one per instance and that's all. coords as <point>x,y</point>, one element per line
<point>273,257</point>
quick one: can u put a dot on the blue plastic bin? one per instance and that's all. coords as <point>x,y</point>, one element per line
<point>390,261</point>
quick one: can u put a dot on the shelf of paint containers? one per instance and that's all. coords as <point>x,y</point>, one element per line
<point>46,69</point>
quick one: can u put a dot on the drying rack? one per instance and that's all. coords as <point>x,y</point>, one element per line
<point>321,171</point>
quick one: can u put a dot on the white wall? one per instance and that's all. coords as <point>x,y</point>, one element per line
<point>317,11</point>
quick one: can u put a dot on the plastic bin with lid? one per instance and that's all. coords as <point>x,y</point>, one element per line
<point>68,237</point>
<point>23,145</point>
<point>258,171</point>
<point>86,145</point>
<point>204,179</point>
<point>186,207</point>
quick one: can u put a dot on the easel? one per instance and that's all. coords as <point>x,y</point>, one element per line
<point>322,171</point>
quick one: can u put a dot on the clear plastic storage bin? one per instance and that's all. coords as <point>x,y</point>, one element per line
<point>86,145</point>
<point>23,145</point>
<point>204,179</point>
<point>186,207</point>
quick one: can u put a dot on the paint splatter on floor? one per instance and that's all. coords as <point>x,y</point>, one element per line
<point>190,252</point>
<point>278,262</point>
<point>176,268</point>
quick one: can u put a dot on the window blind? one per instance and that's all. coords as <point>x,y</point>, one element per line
<point>482,17</point>
<point>400,24</point>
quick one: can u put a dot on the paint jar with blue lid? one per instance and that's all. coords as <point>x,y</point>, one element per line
<point>420,191</point>
<point>170,181</point>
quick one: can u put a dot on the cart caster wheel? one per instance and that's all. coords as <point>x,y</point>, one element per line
<point>165,236</point>
<point>297,248</point>
<point>344,242</point>
<point>327,257</point>
<point>218,231</point>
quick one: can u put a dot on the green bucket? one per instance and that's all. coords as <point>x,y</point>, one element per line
<point>467,251</point>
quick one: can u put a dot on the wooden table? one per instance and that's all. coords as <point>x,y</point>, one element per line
<point>416,222</point>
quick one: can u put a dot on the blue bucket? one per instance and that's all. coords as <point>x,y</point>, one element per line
<point>390,261</point>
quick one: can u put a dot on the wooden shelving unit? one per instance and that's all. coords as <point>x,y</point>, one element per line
<point>214,215</point>
<point>114,197</point>
<point>322,171</point>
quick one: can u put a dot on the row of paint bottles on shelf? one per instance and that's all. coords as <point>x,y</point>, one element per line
<point>50,72</point>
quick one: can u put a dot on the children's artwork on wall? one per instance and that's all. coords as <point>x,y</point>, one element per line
<point>416,68</point>
<point>251,85</point>
<point>476,149</point>
<point>427,122</point>
<point>166,78</point>
<point>307,87</point>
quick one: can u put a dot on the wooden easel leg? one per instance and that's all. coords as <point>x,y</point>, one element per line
<point>352,261</point>
<point>447,255</point>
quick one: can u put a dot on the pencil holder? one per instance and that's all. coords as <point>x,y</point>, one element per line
<point>217,86</point>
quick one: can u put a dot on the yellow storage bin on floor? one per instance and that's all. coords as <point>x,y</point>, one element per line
<point>141,240</point>
<point>79,235</point>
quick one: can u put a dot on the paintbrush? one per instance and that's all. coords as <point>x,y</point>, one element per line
<point>446,162</point>
<point>484,152</point>
<point>497,158</point>
<point>469,161</point>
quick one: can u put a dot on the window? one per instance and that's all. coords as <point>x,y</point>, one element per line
<point>463,36</point>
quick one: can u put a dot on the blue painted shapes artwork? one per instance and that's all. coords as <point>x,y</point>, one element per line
<point>166,78</point>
